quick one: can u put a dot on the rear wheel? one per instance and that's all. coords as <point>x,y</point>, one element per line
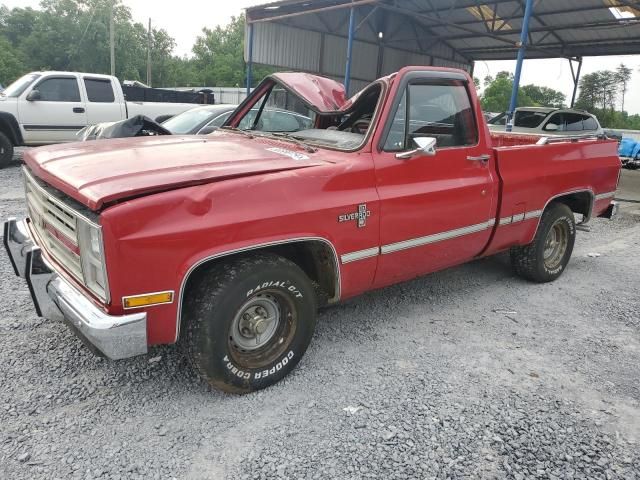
<point>544,259</point>
<point>6,150</point>
<point>249,322</point>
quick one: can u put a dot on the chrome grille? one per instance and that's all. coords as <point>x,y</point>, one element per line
<point>60,239</point>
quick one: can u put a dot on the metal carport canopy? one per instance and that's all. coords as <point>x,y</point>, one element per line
<point>312,35</point>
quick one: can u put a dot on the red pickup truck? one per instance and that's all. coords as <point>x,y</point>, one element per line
<point>228,243</point>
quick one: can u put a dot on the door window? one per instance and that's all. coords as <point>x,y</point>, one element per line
<point>59,90</point>
<point>590,123</point>
<point>556,119</point>
<point>438,110</point>
<point>99,91</point>
<point>573,122</point>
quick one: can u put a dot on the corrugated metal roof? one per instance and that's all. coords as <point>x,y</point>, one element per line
<point>442,32</point>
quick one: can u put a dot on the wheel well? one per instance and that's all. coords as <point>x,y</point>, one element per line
<point>9,126</point>
<point>578,202</point>
<point>317,258</point>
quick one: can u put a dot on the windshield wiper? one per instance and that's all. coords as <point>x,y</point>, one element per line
<point>291,138</point>
<point>236,129</point>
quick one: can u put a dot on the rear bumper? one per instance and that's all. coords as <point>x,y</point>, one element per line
<point>611,212</point>
<point>55,298</point>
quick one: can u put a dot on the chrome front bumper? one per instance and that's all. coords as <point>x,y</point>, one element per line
<point>55,298</point>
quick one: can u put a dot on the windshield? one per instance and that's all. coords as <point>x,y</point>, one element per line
<point>279,111</point>
<point>19,86</point>
<point>185,122</point>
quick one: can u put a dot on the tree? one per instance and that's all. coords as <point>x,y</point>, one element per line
<point>219,56</point>
<point>497,93</point>
<point>623,74</point>
<point>11,66</point>
<point>74,35</point>
<point>598,90</point>
<point>544,96</point>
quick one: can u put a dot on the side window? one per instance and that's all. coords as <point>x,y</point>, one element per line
<point>438,110</point>
<point>59,90</point>
<point>99,91</point>
<point>574,122</point>
<point>590,123</point>
<point>556,119</point>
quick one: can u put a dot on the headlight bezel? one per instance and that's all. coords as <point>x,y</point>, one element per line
<point>92,258</point>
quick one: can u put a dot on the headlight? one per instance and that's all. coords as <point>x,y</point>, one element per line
<point>92,259</point>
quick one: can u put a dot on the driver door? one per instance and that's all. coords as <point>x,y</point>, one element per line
<point>57,115</point>
<point>436,209</point>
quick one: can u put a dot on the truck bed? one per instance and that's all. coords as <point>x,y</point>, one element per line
<point>586,170</point>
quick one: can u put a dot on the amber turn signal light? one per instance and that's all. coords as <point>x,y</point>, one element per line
<point>147,300</point>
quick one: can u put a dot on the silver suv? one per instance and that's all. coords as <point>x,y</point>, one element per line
<point>549,121</point>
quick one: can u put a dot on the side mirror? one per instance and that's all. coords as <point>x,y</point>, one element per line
<point>426,146</point>
<point>33,95</point>
<point>207,129</point>
<point>552,127</point>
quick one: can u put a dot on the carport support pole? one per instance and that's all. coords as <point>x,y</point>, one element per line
<point>347,72</point>
<point>524,35</point>
<point>250,59</point>
<point>576,81</point>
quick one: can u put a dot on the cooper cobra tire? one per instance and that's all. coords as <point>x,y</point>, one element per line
<point>248,322</point>
<point>544,259</point>
<point>6,150</point>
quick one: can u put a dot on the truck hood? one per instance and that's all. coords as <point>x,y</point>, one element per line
<point>323,94</point>
<point>100,172</point>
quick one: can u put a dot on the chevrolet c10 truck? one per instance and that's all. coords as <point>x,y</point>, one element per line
<point>227,244</point>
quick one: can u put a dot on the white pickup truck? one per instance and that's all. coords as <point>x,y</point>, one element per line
<point>51,107</point>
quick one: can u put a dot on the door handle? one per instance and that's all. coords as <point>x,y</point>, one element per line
<point>78,110</point>
<point>480,158</point>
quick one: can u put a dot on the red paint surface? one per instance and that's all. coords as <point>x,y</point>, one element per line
<point>168,206</point>
<point>325,94</point>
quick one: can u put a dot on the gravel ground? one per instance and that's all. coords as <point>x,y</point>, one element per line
<point>467,373</point>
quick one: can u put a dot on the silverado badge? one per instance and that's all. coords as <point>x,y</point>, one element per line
<point>360,216</point>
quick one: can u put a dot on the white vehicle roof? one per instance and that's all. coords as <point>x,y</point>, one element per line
<point>56,72</point>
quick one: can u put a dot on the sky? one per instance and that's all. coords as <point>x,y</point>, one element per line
<point>184,22</point>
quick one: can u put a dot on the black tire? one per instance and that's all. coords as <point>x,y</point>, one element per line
<point>6,150</point>
<point>227,309</point>
<point>544,259</point>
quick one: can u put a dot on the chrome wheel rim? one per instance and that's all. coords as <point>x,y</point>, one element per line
<point>262,329</point>
<point>256,323</point>
<point>555,245</point>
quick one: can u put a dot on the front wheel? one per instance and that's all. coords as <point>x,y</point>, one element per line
<point>6,150</point>
<point>544,259</point>
<point>249,322</point>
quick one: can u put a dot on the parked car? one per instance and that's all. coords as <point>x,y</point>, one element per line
<point>489,115</point>
<point>199,120</point>
<point>549,121</point>
<point>204,120</point>
<point>228,243</point>
<point>614,134</point>
<point>51,107</point>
